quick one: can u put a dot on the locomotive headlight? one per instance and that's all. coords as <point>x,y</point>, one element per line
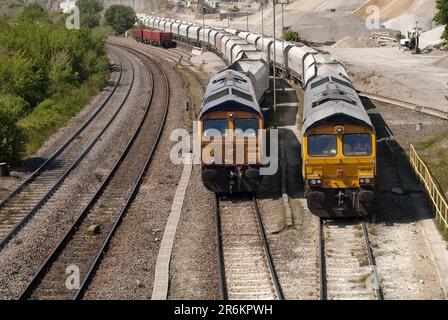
<point>365,181</point>
<point>319,181</point>
<point>313,181</point>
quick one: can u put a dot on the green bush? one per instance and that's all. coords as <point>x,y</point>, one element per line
<point>89,12</point>
<point>47,70</point>
<point>34,13</point>
<point>12,137</point>
<point>290,36</point>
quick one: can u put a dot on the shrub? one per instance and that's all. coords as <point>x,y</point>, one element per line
<point>12,138</point>
<point>442,15</point>
<point>290,35</point>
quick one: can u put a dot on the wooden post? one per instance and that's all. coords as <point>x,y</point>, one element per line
<point>4,172</point>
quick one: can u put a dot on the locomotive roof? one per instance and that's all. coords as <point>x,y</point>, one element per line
<point>333,100</point>
<point>229,89</point>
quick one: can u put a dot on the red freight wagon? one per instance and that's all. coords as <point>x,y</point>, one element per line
<point>147,36</point>
<point>162,38</point>
<point>137,34</point>
<point>158,38</point>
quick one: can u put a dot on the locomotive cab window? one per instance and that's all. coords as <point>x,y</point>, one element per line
<point>248,127</point>
<point>357,144</point>
<point>213,126</point>
<point>324,145</point>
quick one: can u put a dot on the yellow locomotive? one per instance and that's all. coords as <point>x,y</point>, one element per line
<point>230,127</point>
<point>338,150</point>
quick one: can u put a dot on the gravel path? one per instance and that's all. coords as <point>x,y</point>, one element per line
<point>20,259</point>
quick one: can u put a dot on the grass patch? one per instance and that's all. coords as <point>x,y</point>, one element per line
<point>443,231</point>
<point>193,85</point>
<point>362,279</point>
<point>104,31</point>
<point>433,141</point>
<point>434,152</point>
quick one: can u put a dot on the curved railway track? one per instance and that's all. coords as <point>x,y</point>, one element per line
<point>245,264</point>
<point>347,268</point>
<point>23,203</point>
<point>87,239</point>
<point>174,55</point>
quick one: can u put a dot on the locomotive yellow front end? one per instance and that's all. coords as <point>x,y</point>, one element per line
<point>339,167</point>
<point>231,133</point>
<point>338,149</point>
<point>230,149</point>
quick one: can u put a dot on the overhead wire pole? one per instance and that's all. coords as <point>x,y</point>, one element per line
<point>228,16</point>
<point>247,20</point>
<point>203,23</point>
<point>262,26</point>
<point>273,64</point>
<point>283,36</point>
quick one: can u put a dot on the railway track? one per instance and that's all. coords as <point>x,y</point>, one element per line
<point>82,247</point>
<point>25,201</point>
<point>245,263</point>
<point>346,262</point>
<point>175,55</point>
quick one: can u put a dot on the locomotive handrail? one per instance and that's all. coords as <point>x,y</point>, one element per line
<point>437,197</point>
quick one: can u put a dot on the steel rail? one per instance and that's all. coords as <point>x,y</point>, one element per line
<point>57,184</point>
<point>265,245</point>
<point>322,268</point>
<point>276,282</point>
<point>376,278</point>
<point>220,252</point>
<point>172,55</point>
<point>52,257</point>
<point>133,192</point>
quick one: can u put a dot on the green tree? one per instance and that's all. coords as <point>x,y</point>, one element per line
<point>442,15</point>
<point>120,17</point>
<point>34,13</point>
<point>89,11</point>
<point>12,137</point>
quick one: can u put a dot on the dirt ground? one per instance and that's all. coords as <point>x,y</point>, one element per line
<point>393,73</point>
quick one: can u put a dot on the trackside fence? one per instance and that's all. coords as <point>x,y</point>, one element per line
<point>437,197</point>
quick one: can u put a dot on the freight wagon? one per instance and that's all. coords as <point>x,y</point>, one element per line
<point>158,38</point>
<point>137,34</point>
